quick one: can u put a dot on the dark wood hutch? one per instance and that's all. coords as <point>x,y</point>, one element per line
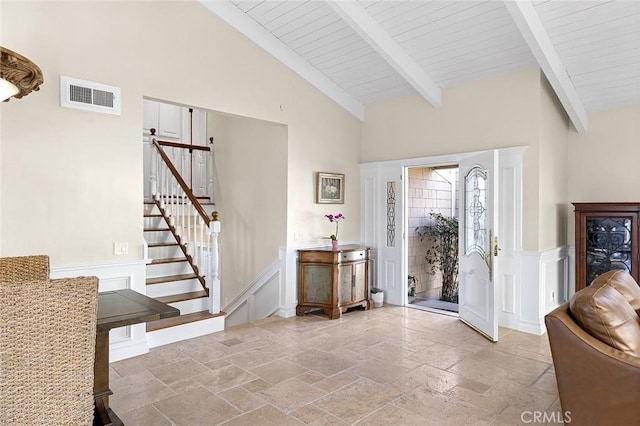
<point>606,238</point>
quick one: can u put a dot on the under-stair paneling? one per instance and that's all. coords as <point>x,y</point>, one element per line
<point>124,342</point>
<point>259,300</point>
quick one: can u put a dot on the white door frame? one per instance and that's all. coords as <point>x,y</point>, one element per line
<point>374,223</point>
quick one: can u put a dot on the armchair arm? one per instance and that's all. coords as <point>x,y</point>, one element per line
<point>598,384</point>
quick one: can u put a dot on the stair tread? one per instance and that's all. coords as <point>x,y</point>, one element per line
<point>182,319</point>
<point>161,244</point>
<point>152,215</point>
<point>182,297</point>
<point>168,260</point>
<point>169,278</point>
<point>156,229</point>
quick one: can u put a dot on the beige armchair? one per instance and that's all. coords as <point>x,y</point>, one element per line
<point>595,344</point>
<point>47,348</point>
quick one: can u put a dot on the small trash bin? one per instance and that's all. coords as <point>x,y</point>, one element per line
<point>377,296</point>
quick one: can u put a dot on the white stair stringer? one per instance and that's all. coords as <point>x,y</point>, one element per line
<point>190,330</point>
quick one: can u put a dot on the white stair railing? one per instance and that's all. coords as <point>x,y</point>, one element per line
<point>197,234</point>
<point>194,164</point>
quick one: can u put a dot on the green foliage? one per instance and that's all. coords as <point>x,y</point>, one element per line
<point>443,254</point>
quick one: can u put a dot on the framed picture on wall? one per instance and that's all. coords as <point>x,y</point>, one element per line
<point>330,188</point>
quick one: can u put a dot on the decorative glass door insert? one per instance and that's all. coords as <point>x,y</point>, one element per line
<point>608,245</point>
<point>475,224</point>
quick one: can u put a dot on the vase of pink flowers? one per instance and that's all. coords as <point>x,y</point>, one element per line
<point>334,219</point>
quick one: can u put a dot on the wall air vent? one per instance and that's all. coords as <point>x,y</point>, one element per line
<point>90,96</point>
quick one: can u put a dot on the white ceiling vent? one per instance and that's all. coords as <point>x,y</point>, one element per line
<point>88,95</point>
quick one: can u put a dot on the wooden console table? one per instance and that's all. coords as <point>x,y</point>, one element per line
<point>333,280</point>
<point>117,309</point>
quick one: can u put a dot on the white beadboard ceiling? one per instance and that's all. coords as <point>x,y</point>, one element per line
<point>360,52</point>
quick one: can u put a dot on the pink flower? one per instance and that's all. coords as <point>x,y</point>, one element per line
<point>335,219</point>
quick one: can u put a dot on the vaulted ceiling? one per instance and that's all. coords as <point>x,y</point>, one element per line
<point>363,51</point>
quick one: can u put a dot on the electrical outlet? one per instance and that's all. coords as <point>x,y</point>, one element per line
<point>297,236</point>
<point>120,248</point>
<point>553,296</point>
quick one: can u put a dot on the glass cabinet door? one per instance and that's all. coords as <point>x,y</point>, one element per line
<point>608,245</point>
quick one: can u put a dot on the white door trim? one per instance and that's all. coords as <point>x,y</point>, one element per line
<point>374,217</point>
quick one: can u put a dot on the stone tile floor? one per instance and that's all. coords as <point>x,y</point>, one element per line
<point>386,366</point>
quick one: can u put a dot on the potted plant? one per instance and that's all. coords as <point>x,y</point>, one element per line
<point>411,284</point>
<point>334,219</point>
<point>443,254</point>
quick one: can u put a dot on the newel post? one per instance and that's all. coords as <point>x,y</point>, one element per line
<point>214,265</point>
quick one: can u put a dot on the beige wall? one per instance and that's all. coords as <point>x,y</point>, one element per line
<point>492,113</point>
<point>253,155</point>
<point>554,132</point>
<point>603,162</point>
<point>71,179</point>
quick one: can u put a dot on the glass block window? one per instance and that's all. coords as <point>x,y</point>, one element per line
<point>475,224</point>
<point>391,214</point>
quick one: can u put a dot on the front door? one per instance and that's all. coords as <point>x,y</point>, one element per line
<point>478,223</point>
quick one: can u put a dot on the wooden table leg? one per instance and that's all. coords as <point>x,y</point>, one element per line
<point>103,415</point>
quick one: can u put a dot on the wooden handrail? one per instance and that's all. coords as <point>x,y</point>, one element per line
<point>184,145</point>
<point>181,182</point>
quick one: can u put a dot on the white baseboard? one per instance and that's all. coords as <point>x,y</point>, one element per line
<point>286,312</point>
<point>532,327</point>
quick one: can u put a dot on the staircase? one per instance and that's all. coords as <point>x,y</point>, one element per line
<point>182,242</point>
<point>174,280</point>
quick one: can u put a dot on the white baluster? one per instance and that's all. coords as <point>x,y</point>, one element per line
<point>167,174</point>
<point>201,176</point>
<point>188,233</point>
<point>153,175</point>
<point>163,176</point>
<point>184,166</point>
<point>174,206</point>
<point>201,226</point>
<point>194,225</point>
<point>179,220</point>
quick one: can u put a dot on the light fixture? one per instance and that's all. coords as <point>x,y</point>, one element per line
<point>18,75</point>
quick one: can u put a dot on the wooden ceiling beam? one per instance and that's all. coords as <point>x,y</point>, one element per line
<point>536,37</point>
<point>380,40</point>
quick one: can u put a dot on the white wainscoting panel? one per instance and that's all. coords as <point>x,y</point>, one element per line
<point>545,278</point>
<point>124,342</point>
<point>555,272</point>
